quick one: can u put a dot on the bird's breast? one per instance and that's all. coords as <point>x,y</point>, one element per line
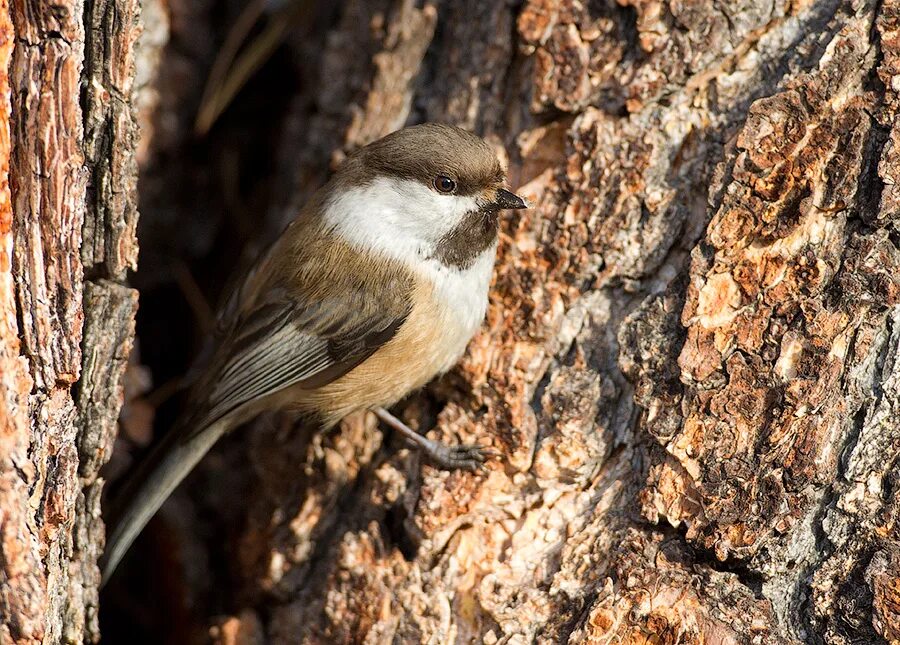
<point>448,307</point>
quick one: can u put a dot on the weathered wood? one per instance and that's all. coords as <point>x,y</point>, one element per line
<point>689,363</point>
<point>109,249</point>
<point>21,593</point>
<point>47,182</point>
<point>689,358</point>
<point>66,339</point>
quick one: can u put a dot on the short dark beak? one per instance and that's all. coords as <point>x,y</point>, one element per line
<point>506,199</point>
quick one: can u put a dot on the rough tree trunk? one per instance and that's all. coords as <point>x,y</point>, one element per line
<point>690,362</point>
<point>67,238</point>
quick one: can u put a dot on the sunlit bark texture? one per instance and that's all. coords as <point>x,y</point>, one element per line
<point>690,364</point>
<point>67,238</point>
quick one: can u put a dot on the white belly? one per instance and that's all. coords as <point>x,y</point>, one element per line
<point>461,296</point>
<point>449,308</point>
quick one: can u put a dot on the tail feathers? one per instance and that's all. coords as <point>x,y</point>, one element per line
<point>169,463</point>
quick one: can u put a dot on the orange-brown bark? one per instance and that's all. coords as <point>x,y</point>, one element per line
<point>67,318</point>
<point>689,364</point>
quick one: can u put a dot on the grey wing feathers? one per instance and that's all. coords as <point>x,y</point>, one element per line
<point>283,344</point>
<point>295,319</point>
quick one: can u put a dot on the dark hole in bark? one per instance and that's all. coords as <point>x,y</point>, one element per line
<point>204,202</point>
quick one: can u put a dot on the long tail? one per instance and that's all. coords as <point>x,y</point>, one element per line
<point>154,481</point>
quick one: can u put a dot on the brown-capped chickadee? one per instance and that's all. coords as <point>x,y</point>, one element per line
<point>373,290</point>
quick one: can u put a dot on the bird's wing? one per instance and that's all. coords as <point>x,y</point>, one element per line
<point>310,319</point>
<point>285,342</point>
<point>310,328</point>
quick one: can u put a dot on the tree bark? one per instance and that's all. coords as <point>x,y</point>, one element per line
<point>68,239</point>
<point>688,364</point>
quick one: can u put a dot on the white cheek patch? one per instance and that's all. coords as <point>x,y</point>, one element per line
<point>405,220</point>
<point>401,218</point>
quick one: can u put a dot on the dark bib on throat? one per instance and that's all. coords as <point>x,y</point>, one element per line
<point>469,239</point>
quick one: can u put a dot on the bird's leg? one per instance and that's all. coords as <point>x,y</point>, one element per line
<point>465,457</point>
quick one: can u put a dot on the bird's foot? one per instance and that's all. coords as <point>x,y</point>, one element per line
<point>449,457</point>
<point>459,457</point>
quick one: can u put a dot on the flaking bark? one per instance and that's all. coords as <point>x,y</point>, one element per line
<point>689,364</point>
<point>689,358</point>
<point>68,318</point>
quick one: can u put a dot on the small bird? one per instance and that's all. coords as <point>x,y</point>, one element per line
<point>373,290</point>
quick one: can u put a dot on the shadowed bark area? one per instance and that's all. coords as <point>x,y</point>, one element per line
<point>689,363</point>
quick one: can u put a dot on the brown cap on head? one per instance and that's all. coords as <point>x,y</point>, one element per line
<point>447,160</point>
<point>423,152</point>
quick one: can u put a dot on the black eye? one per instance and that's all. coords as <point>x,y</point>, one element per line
<point>443,184</point>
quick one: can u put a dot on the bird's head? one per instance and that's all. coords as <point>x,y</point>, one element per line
<point>432,192</point>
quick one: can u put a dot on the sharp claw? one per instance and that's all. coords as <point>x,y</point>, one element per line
<point>462,457</point>
<point>467,457</point>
